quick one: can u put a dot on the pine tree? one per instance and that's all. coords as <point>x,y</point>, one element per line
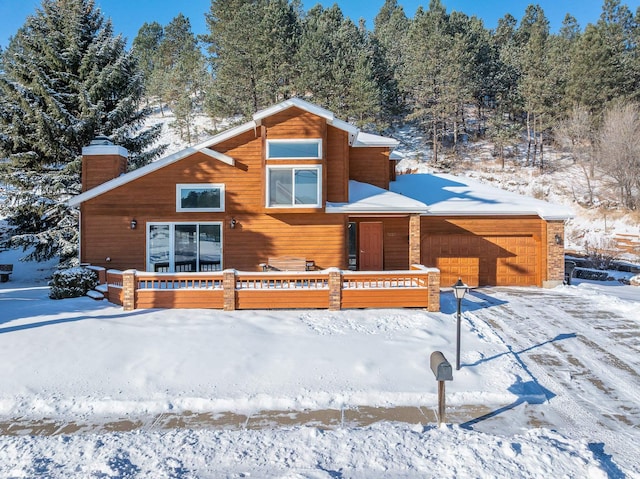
<point>389,43</point>
<point>181,73</point>
<point>336,60</point>
<point>252,45</point>
<point>535,84</point>
<point>603,66</point>
<point>64,78</point>
<point>426,76</point>
<point>145,47</point>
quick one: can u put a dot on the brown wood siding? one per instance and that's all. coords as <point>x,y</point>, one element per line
<point>294,123</point>
<point>337,155</point>
<point>98,169</point>
<point>370,165</point>
<point>485,251</point>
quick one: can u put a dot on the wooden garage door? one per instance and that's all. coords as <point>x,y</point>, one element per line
<point>484,260</point>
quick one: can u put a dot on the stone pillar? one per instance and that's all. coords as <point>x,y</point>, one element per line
<point>414,240</point>
<point>129,290</point>
<point>434,290</point>
<point>229,287</point>
<point>335,289</point>
<point>555,254</point>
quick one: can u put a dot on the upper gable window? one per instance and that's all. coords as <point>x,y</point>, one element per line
<point>303,149</point>
<point>199,197</point>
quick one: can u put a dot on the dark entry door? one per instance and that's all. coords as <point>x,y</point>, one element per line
<point>370,257</point>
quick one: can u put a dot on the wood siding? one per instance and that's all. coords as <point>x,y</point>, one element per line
<point>98,169</point>
<point>337,165</point>
<point>370,165</point>
<point>106,219</point>
<point>485,251</point>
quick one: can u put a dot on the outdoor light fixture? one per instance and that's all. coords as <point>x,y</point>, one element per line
<point>558,239</point>
<point>459,290</point>
<point>233,223</point>
<point>134,224</point>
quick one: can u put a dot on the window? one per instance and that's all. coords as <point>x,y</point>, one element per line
<point>294,149</point>
<point>290,187</point>
<point>184,247</point>
<point>200,197</point>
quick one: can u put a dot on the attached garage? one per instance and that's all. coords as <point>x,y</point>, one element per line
<point>498,251</point>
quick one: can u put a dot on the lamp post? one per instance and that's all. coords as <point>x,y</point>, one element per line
<point>459,290</point>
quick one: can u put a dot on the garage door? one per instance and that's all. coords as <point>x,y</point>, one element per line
<point>484,260</point>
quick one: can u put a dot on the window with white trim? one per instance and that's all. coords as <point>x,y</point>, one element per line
<point>184,247</point>
<point>294,186</point>
<point>299,149</point>
<point>200,197</point>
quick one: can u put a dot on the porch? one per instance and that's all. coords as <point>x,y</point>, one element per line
<point>230,290</point>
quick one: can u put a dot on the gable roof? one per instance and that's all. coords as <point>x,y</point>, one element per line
<point>356,139</point>
<point>449,195</point>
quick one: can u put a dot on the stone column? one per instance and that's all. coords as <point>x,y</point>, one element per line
<point>335,289</point>
<point>434,290</point>
<point>229,287</point>
<point>129,290</point>
<point>414,240</point>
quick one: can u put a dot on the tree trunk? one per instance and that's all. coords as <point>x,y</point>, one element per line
<point>435,141</point>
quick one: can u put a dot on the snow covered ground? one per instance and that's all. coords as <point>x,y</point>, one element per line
<point>548,387</point>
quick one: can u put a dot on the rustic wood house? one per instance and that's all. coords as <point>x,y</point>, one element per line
<point>297,182</point>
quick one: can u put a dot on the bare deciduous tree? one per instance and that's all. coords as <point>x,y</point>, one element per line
<point>619,151</point>
<point>576,134</point>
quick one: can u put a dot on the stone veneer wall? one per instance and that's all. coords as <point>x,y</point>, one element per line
<point>555,254</point>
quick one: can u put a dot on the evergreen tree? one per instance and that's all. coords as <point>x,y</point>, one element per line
<point>181,72</point>
<point>435,72</point>
<point>252,45</point>
<point>535,82</point>
<point>145,47</point>
<point>336,61</point>
<point>603,66</point>
<point>507,96</point>
<point>389,43</point>
<point>64,78</point>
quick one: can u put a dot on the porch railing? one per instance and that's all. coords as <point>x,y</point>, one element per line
<point>230,290</point>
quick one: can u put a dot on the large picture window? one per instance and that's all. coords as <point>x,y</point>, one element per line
<point>199,197</point>
<point>307,149</point>
<point>291,187</point>
<point>184,247</point>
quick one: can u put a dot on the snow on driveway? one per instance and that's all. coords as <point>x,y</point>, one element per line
<point>581,348</point>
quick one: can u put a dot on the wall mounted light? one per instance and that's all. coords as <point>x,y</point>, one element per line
<point>558,239</point>
<point>233,223</point>
<point>134,224</point>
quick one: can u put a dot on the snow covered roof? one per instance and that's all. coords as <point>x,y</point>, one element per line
<point>366,198</point>
<point>449,195</point>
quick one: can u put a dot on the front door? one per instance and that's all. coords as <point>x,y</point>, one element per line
<point>370,256</point>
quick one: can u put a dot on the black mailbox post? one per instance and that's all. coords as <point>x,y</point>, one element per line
<point>443,372</point>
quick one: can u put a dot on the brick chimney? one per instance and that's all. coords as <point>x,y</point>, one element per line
<point>102,161</point>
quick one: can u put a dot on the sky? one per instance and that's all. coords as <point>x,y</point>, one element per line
<point>128,16</point>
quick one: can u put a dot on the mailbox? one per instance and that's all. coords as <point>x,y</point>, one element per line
<point>441,367</point>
